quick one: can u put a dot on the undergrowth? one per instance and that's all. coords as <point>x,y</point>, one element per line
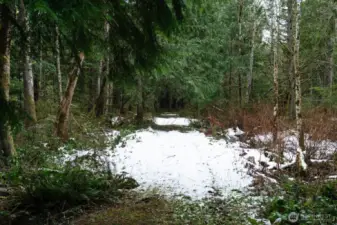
<point>43,188</point>
<point>302,203</point>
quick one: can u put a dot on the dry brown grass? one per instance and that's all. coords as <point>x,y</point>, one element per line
<point>154,211</point>
<point>320,123</point>
<point>254,120</point>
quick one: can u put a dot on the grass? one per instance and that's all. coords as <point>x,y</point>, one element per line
<point>158,210</point>
<point>153,211</point>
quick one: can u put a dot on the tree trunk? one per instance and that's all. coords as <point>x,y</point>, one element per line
<point>6,140</point>
<point>37,79</point>
<point>62,119</point>
<point>101,100</point>
<point>274,42</point>
<point>109,97</point>
<point>140,109</point>
<point>58,63</point>
<point>240,49</point>
<point>331,62</point>
<point>290,64</point>
<point>230,73</point>
<point>99,77</point>
<point>95,88</point>
<point>251,61</point>
<point>302,166</point>
<point>104,94</point>
<point>331,45</point>
<point>28,79</point>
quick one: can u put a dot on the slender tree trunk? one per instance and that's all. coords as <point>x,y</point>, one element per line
<point>230,73</point>
<point>240,49</point>
<point>38,78</point>
<point>62,119</point>
<point>99,77</point>
<point>28,79</point>
<point>109,91</point>
<point>6,140</point>
<point>94,88</point>
<point>331,45</point>
<point>140,109</point>
<point>108,88</point>
<point>331,62</point>
<point>251,60</point>
<point>104,94</point>
<point>109,97</point>
<point>275,41</point>
<point>290,40</point>
<point>101,100</point>
<point>58,63</point>
<point>299,123</point>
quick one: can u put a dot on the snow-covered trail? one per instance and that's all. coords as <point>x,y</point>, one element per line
<point>182,163</point>
<point>192,164</point>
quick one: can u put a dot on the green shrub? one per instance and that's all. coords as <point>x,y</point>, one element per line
<point>72,186</point>
<point>315,203</point>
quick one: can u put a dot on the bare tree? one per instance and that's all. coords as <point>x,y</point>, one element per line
<point>302,166</point>
<point>62,119</point>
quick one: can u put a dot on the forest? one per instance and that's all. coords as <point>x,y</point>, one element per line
<point>141,112</point>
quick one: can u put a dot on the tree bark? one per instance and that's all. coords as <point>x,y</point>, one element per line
<point>101,100</point>
<point>109,91</point>
<point>331,61</point>
<point>240,49</point>
<point>99,78</point>
<point>62,119</point>
<point>104,92</point>
<point>95,87</point>
<point>58,63</point>
<point>251,60</point>
<point>6,140</point>
<point>290,64</point>
<point>301,164</point>
<point>37,78</point>
<point>230,73</point>
<point>28,79</point>
<point>274,43</point>
<point>140,103</point>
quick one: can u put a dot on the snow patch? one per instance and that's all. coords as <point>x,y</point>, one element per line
<point>182,163</point>
<point>302,162</point>
<point>116,120</point>
<point>323,149</point>
<point>178,121</point>
<point>234,132</point>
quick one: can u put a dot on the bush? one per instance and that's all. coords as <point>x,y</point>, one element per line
<point>42,192</point>
<point>73,186</point>
<point>314,203</point>
<point>41,184</point>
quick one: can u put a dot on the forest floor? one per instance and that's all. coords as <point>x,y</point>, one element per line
<point>184,174</point>
<point>187,166</point>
